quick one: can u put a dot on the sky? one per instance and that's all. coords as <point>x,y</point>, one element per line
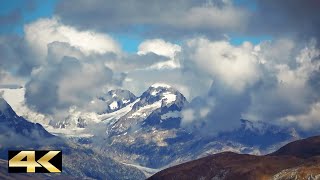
<point>258,59</point>
<point>35,9</point>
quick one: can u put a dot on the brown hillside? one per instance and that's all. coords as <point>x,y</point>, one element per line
<point>300,158</point>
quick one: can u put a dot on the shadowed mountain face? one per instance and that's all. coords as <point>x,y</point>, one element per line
<point>297,159</point>
<point>10,121</point>
<point>15,131</point>
<point>78,163</point>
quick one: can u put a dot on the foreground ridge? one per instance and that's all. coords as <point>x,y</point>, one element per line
<point>299,159</point>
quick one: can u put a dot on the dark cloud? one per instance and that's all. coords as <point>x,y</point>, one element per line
<point>66,83</point>
<point>287,17</point>
<point>15,55</point>
<point>314,82</point>
<point>172,19</point>
<point>169,18</point>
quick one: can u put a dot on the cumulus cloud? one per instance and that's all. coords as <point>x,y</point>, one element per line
<point>77,66</point>
<point>291,88</point>
<point>162,48</point>
<point>66,68</point>
<point>308,120</point>
<point>69,67</point>
<point>42,32</point>
<point>235,68</point>
<point>66,83</point>
<point>21,55</point>
<point>272,81</point>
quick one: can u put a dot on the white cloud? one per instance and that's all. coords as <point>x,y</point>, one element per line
<point>162,48</point>
<point>42,32</point>
<point>275,81</point>
<point>278,51</point>
<point>236,67</point>
<point>307,121</point>
<point>289,93</point>
<point>188,116</point>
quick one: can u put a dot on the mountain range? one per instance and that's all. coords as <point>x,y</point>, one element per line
<point>134,137</point>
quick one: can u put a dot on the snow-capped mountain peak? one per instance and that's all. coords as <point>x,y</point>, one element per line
<point>117,99</point>
<point>154,98</point>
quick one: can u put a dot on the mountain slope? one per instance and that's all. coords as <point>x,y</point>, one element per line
<point>283,164</point>
<point>18,133</point>
<point>14,127</point>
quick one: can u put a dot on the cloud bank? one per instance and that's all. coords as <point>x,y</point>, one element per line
<point>72,57</point>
